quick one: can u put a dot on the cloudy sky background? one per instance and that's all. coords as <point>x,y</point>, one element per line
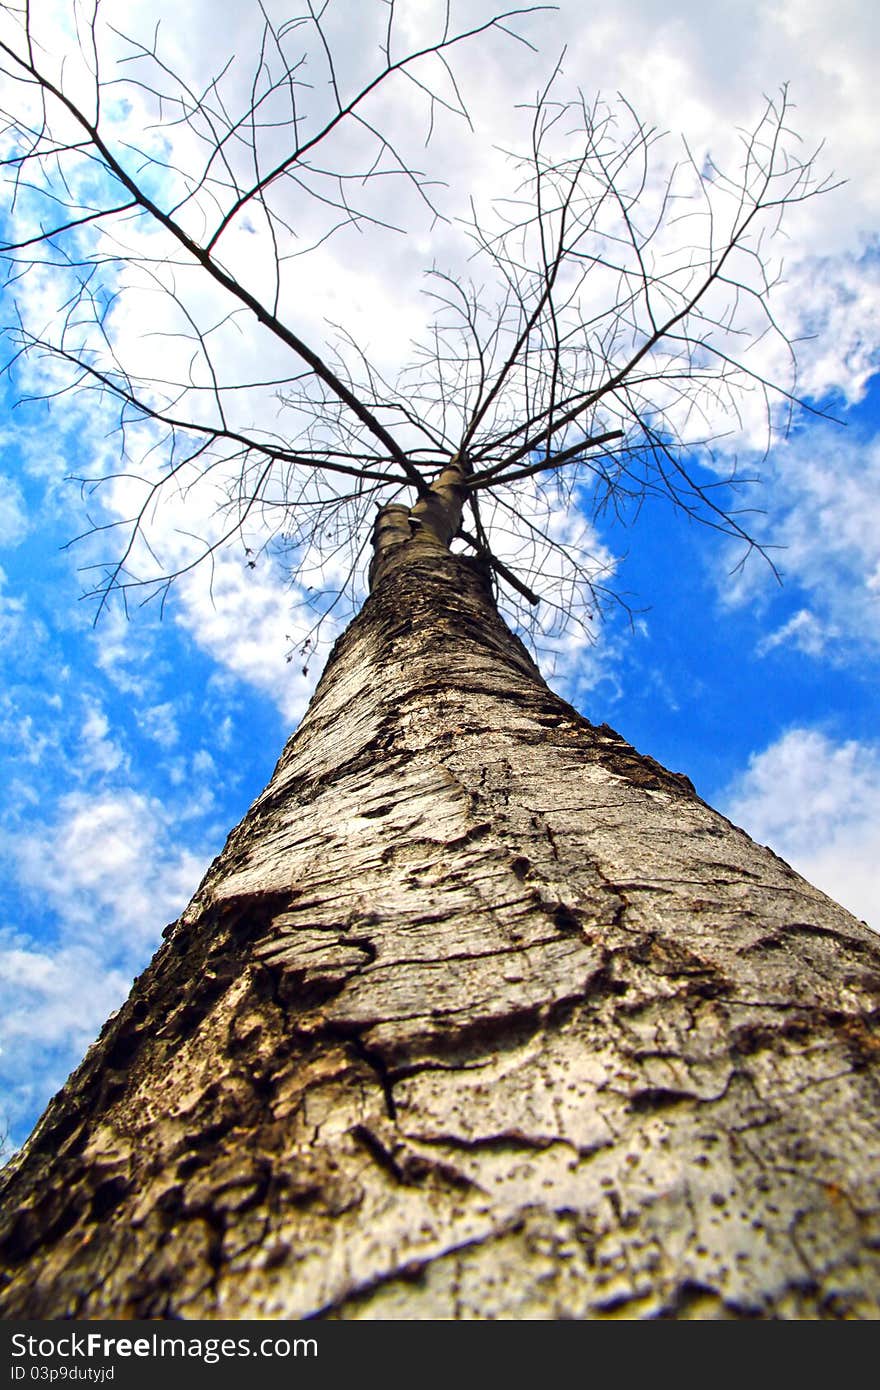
<point>130,748</point>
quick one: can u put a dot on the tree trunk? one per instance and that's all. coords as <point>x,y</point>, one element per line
<point>479,1014</point>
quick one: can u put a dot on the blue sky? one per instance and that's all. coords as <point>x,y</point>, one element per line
<point>129,748</point>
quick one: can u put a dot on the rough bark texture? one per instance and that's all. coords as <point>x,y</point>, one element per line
<point>479,1014</point>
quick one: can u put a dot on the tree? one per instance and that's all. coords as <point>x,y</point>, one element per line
<point>480,1012</point>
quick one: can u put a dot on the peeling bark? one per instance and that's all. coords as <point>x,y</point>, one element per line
<point>480,1013</point>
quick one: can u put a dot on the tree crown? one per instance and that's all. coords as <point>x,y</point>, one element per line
<point>598,328</point>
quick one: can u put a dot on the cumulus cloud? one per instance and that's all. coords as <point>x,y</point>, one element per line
<point>703,69</point>
<point>822,501</point>
<point>816,802</point>
<point>53,1002</point>
<point>47,1010</point>
<point>101,862</point>
<point>246,621</point>
<point>839,320</point>
<point>102,870</point>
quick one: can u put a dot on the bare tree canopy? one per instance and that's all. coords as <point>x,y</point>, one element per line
<point>603,325</point>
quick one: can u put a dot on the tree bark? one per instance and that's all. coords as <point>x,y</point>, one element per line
<point>479,1014</point>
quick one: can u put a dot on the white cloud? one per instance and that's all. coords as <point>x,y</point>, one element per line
<point>22,636</point>
<point>124,652</point>
<point>245,617</point>
<point>52,1003</point>
<point>22,732</point>
<point>203,764</point>
<point>822,500</point>
<point>817,803</point>
<point>102,862</point>
<point>110,870</point>
<point>840,320</point>
<point>42,1006</point>
<point>14,521</point>
<point>159,723</point>
<point>98,753</point>
<point>804,631</point>
<point>703,69</point>
<point>245,620</point>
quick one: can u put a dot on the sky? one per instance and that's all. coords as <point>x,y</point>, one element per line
<point>131,744</point>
